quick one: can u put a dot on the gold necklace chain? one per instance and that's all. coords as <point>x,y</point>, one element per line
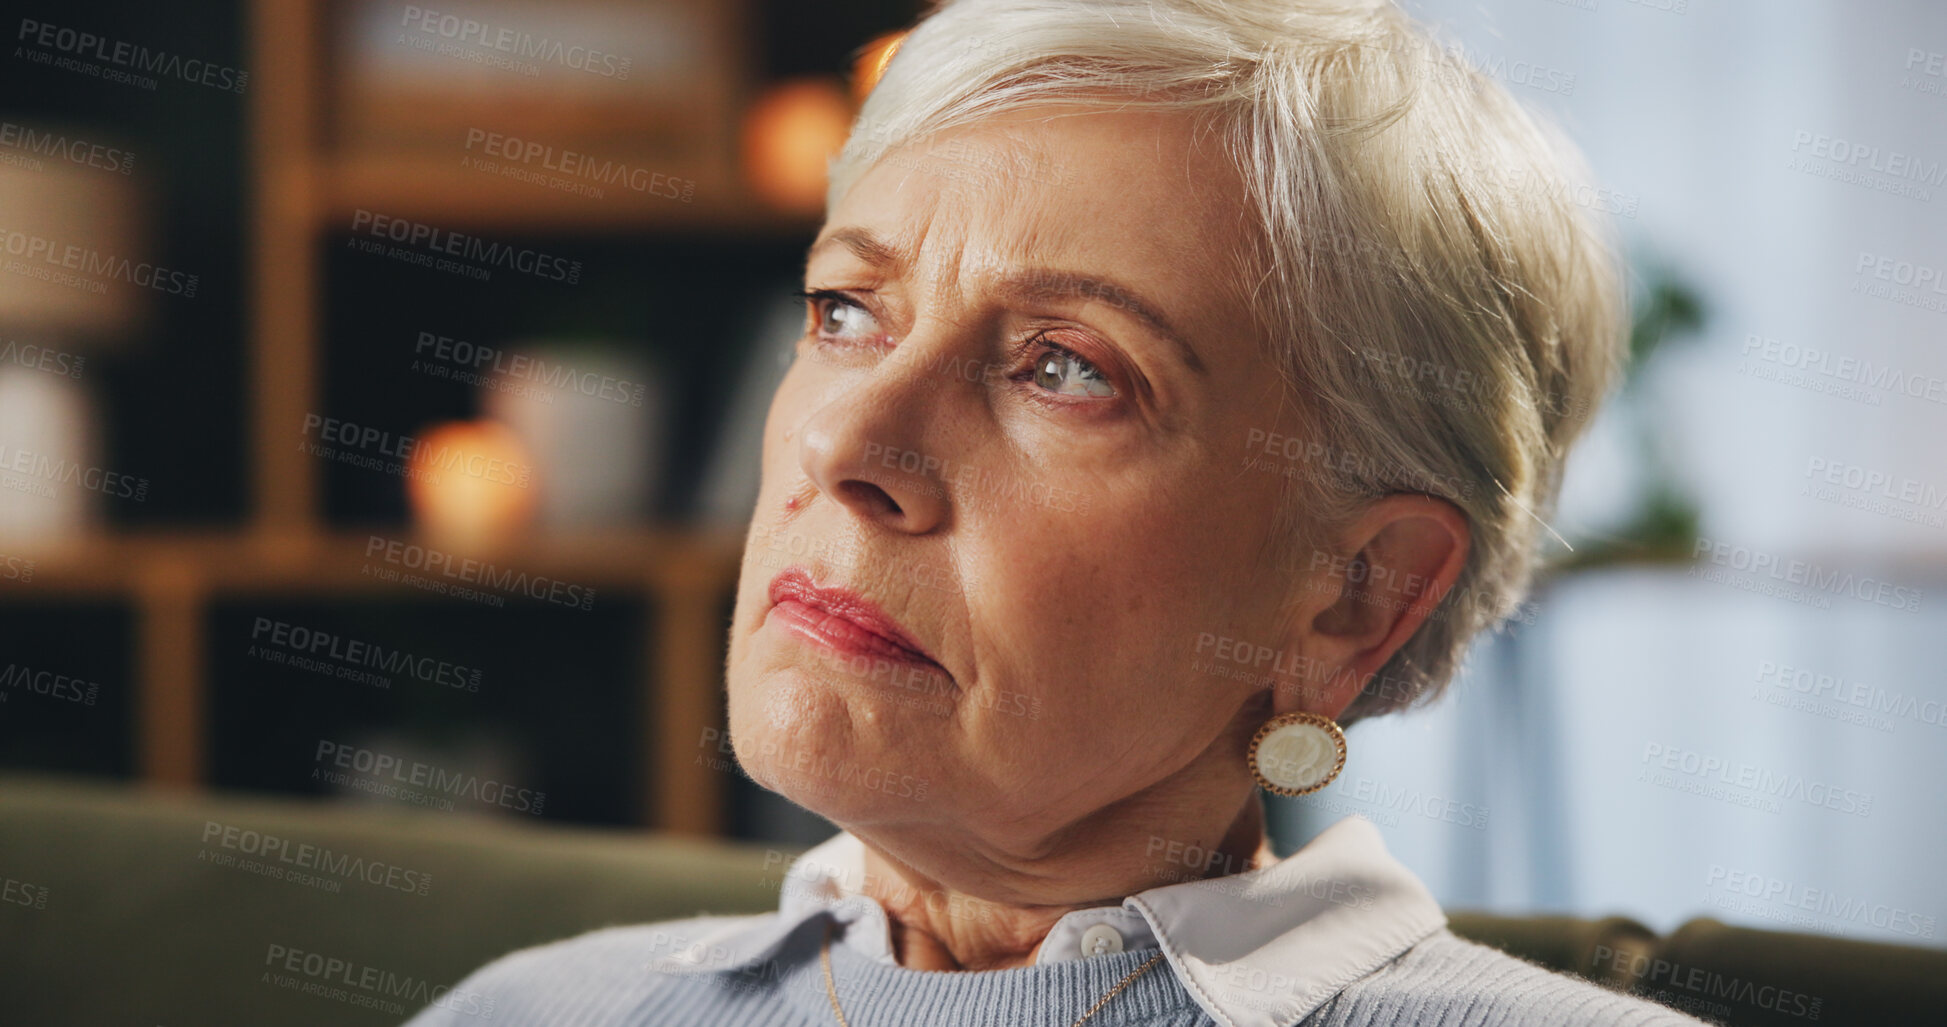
<point>831,991</point>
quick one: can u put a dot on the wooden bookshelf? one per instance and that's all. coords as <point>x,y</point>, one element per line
<point>171,579</point>
<point>302,187</point>
<point>436,190</point>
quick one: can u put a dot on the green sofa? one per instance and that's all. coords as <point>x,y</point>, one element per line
<point>120,906</point>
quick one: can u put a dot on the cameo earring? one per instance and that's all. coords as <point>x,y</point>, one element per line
<point>1297,753</point>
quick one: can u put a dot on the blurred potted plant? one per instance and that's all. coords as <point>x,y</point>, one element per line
<point>1661,522</point>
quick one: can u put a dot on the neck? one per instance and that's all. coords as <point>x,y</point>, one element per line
<point>982,910</point>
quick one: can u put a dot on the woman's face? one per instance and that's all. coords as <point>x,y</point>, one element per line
<point>1020,426</point>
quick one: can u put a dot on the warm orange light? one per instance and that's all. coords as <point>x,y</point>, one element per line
<point>471,483</point>
<point>872,64</point>
<point>789,134</point>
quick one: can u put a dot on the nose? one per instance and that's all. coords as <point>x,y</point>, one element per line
<point>865,450</point>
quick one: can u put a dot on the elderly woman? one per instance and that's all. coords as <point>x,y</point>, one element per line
<point>1181,380</point>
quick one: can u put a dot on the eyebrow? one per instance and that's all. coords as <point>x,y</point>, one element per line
<point>1031,283</point>
<point>863,244</point>
<point>1042,283</point>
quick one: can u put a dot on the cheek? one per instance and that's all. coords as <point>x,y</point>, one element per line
<point>1094,614</point>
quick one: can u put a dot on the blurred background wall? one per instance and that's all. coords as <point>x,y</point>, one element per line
<point>1729,699</point>
<point>379,386</point>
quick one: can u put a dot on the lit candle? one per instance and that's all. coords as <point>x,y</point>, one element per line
<point>471,483</point>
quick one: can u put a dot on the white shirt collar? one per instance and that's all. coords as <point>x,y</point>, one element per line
<point>1262,948</point>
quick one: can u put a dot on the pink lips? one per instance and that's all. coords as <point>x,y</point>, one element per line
<point>841,619</point>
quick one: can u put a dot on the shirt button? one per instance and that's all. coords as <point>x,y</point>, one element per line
<point>1101,940</point>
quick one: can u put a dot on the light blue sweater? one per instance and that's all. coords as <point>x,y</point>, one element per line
<point>599,980</point>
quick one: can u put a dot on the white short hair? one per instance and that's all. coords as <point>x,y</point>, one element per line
<point>1445,310</point>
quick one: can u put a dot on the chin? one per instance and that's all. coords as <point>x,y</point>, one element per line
<point>839,756</point>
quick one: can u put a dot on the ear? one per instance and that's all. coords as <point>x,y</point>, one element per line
<point>1406,551</point>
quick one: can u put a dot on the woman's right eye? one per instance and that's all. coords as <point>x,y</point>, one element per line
<point>839,318</point>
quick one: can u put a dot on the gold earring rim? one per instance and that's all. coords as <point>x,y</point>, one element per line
<point>1286,720</point>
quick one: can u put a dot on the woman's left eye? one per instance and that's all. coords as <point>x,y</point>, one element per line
<point>1061,371</point>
